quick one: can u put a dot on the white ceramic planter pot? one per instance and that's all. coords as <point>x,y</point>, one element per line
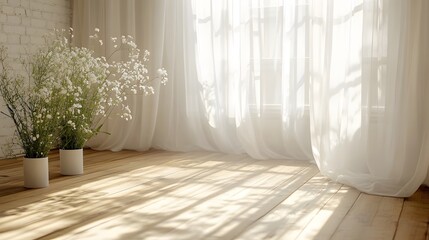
<point>36,172</point>
<point>71,162</point>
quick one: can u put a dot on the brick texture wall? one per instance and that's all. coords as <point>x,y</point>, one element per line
<point>23,23</point>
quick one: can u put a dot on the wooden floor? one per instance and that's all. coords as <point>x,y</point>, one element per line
<point>165,195</point>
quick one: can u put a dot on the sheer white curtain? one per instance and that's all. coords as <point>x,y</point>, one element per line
<point>369,79</point>
<point>339,82</point>
<point>116,18</point>
<point>230,96</point>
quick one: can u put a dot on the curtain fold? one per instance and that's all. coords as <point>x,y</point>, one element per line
<point>368,118</point>
<point>114,19</point>
<point>340,83</point>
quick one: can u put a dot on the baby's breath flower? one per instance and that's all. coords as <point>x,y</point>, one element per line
<point>93,87</point>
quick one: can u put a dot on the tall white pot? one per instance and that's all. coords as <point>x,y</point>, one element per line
<point>71,162</point>
<point>36,172</point>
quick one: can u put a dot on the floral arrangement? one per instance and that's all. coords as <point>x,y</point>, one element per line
<point>70,91</point>
<point>31,102</point>
<point>95,87</point>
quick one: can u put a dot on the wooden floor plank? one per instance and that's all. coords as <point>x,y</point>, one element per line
<point>14,181</point>
<point>84,193</point>
<point>108,166</point>
<point>101,188</point>
<point>199,195</point>
<point>179,206</point>
<point>414,219</point>
<point>326,221</point>
<point>371,217</point>
<point>287,220</point>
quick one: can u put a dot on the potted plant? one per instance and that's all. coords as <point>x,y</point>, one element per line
<point>34,109</point>
<point>81,77</point>
<point>93,88</point>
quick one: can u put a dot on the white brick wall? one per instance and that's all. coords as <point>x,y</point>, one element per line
<point>23,23</point>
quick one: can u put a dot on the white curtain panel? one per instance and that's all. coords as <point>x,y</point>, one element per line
<point>341,83</point>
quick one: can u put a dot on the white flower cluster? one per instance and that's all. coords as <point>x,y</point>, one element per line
<point>71,91</point>
<point>95,87</point>
<point>32,102</point>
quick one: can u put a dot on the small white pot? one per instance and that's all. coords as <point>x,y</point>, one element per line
<point>36,172</point>
<point>71,162</point>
